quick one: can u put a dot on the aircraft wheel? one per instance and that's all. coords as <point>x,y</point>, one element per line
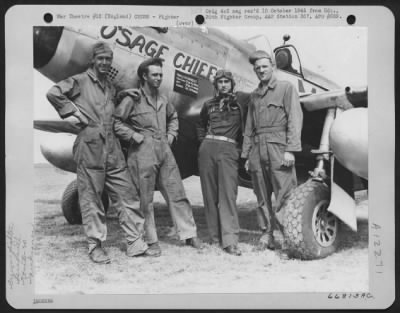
<point>311,232</point>
<point>70,204</point>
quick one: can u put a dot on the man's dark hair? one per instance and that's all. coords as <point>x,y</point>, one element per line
<point>144,67</point>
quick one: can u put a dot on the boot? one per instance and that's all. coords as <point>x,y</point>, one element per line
<point>233,249</point>
<point>195,243</point>
<point>155,247</point>
<point>99,255</point>
<point>267,240</point>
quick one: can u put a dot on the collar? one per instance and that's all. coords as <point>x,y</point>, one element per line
<point>261,89</point>
<point>229,96</point>
<point>225,101</point>
<point>94,78</point>
<point>144,92</point>
<point>160,99</point>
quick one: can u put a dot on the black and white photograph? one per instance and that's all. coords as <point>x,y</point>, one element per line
<point>199,158</point>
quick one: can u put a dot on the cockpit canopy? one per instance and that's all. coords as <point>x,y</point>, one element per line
<point>285,62</point>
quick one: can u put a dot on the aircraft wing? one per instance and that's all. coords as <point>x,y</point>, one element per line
<point>344,98</point>
<point>56,126</point>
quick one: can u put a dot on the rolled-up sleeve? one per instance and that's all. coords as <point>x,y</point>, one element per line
<point>248,131</point>
<point>172,120</point>
<point>61,96</point>
<point>295,119</point>
<point>121,115</point>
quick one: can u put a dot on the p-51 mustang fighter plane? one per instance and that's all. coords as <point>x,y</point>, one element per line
<point>334,135</point>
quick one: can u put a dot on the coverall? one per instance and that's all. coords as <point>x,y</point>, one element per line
<point>99,158</point>
<point>273,126</point>
<point>152,163</point>
<point>220,131</point>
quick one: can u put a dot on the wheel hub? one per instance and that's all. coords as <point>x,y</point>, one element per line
<point>324,224</point>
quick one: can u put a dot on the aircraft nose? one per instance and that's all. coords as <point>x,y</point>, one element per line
<point>45,42</point>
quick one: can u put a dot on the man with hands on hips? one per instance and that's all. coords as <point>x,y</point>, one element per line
<point>89,96</point>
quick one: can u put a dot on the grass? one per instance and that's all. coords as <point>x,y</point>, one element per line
<point>62,265</point>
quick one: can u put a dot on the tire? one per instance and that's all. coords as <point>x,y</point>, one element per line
<point>70,204</point>
<point>311,232</point>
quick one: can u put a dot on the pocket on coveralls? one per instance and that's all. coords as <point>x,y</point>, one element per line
<point>143,116</point>
<point>91,151</point>
<point>172,176</point>
<point>254,159</point>
<point>277,151</point>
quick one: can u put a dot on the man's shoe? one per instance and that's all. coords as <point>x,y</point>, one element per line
<point>271,245</point>
<point>267,241</point>
<point>148,253</point>
<point>234,250</point>
<point>99,255</point>
<point>213,242</point>
<point>283,255</point>
<point>151,253</point>
<point>262,246</point>
<point>195,243</point>
<point>155,248</point>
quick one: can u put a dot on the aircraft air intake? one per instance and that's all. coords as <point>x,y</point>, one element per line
<point>45,42</point>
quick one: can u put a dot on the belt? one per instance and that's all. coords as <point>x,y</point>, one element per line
<point>94,124</point>
<point>271,129</point>
<point>154,135</point>
<point>222,138</point>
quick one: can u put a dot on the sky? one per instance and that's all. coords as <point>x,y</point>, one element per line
<point>339,53</point>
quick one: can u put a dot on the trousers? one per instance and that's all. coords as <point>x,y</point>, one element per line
<point>269,175</point>
<point>218,168</point>
<point>152,164</point>
<point>101,166</point>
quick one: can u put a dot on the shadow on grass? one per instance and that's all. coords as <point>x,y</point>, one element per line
<point>53,224</point>
<point>354,239</point>
<point>165,230</point>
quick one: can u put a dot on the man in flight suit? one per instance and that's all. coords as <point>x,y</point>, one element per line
<point>89,97</point>
<point>149,123</point>
<point>272,134</point>
<point>220,132</point>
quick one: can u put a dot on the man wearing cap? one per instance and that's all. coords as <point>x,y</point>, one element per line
<point>149,123</point>
<point>220,132</point>
<point>89,97</point>
<point>272,134</point>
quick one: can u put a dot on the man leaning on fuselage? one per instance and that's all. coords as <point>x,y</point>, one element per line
<point>149,123</point>
<point>89,97</point>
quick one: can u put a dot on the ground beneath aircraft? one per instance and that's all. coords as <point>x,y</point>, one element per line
<point>62,265</point>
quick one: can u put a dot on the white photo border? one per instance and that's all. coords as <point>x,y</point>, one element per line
<point>379,20</point>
